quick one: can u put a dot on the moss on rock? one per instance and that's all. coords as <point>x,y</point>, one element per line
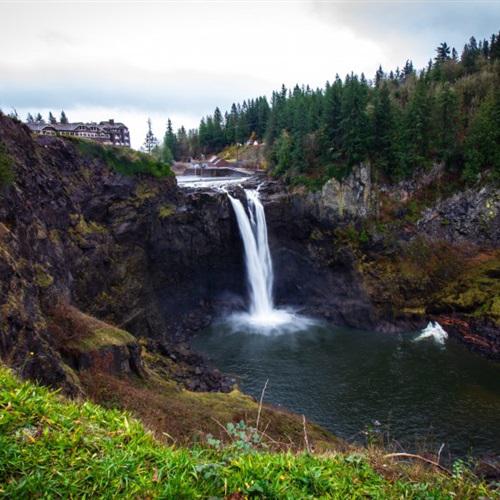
<point>476,292</point>
<point>79,331</point>
<point>165,211</point>
<point>42,278</point>
<point>103,337</point>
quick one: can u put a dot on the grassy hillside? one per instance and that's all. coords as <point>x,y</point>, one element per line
<point>52,447</point>
<point>126,161</point>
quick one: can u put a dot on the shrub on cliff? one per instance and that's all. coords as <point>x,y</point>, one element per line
<point>124,160</point>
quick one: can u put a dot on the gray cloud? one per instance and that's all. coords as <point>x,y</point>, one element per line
<point>412,29</point>
<point>185,92</point>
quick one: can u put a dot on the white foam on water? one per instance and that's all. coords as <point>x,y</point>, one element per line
<point>433,331</point>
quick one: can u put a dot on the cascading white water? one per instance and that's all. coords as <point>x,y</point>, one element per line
<point>253,231</point>
<point>259,268</point>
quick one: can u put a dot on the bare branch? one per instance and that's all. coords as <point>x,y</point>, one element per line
<point>418,457</point>
<point>306,440</point>
<point>439,452</point>
<point>222,427</point>
<point>260,404</point>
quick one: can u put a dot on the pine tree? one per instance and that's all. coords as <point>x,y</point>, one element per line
<point>170,140</point>
<point>469,56</point>
<point>332,116</point>
<point>150,141</point>
<point>447,124</point>
<point>30,119</point>
<point>203,136</point>
<point>39,118</point>
<point>166,155</point>
<point>443,53</point>
<point>417,128</point>
<point>182,145</point>
<point>231,128</point>
<point>383,134</point>
<point>482,149</point>
<point>354,121</point>
<point>408,69</point>
<point>495,47</point>
<point>282,153</point>
<point>64,118</point>
<point>52,118</point>
<point>218,141</point>
<point>379,76</point>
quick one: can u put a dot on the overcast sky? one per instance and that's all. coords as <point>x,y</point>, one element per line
<point>132,59</point>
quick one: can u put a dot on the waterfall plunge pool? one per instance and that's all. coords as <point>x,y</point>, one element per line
<point>419,389</point>
<point>422,393</point>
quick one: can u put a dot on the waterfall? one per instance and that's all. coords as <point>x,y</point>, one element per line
<point>262,313</point>
<point>259,267</point>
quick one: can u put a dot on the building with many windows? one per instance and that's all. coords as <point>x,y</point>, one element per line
<point>110,132</point>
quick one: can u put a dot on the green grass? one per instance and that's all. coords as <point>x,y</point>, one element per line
<point>126,161</point>
<point>54,448</point>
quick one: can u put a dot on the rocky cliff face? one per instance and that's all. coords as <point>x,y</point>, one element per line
<point>394,257</point>
<point>75,234</point>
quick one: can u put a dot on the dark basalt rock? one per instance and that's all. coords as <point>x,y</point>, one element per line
<point>473,215</point>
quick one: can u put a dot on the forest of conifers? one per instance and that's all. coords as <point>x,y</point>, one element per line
<point>399,121</point>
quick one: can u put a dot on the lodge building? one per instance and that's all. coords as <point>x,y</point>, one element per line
<point>110,132</point>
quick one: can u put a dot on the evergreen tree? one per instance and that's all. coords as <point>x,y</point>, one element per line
<point>416,128</point>
<point>282,153</point>
<point>408,69</point>
<point>384,135</point>
<point>332,116</point>
<point>243,125</point>
<point>354,121</point>
<point>470,55</point>
<point>231,128</point>
<point>379,76</point>
<point>30,119</point>
<point>52,118</point>
<point>203,136</point>
<point>403,121</point>
<point>150,141</point>
<point>170,140</point>
<point>443,53</point>
<point>39,118</point>
<point>482,146</point>
<point>64,118</point>
<point>194,143</point>
<point>182,145</point>
<point>218,140</point>
<point>447,124</point>
<point>166,155</point>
